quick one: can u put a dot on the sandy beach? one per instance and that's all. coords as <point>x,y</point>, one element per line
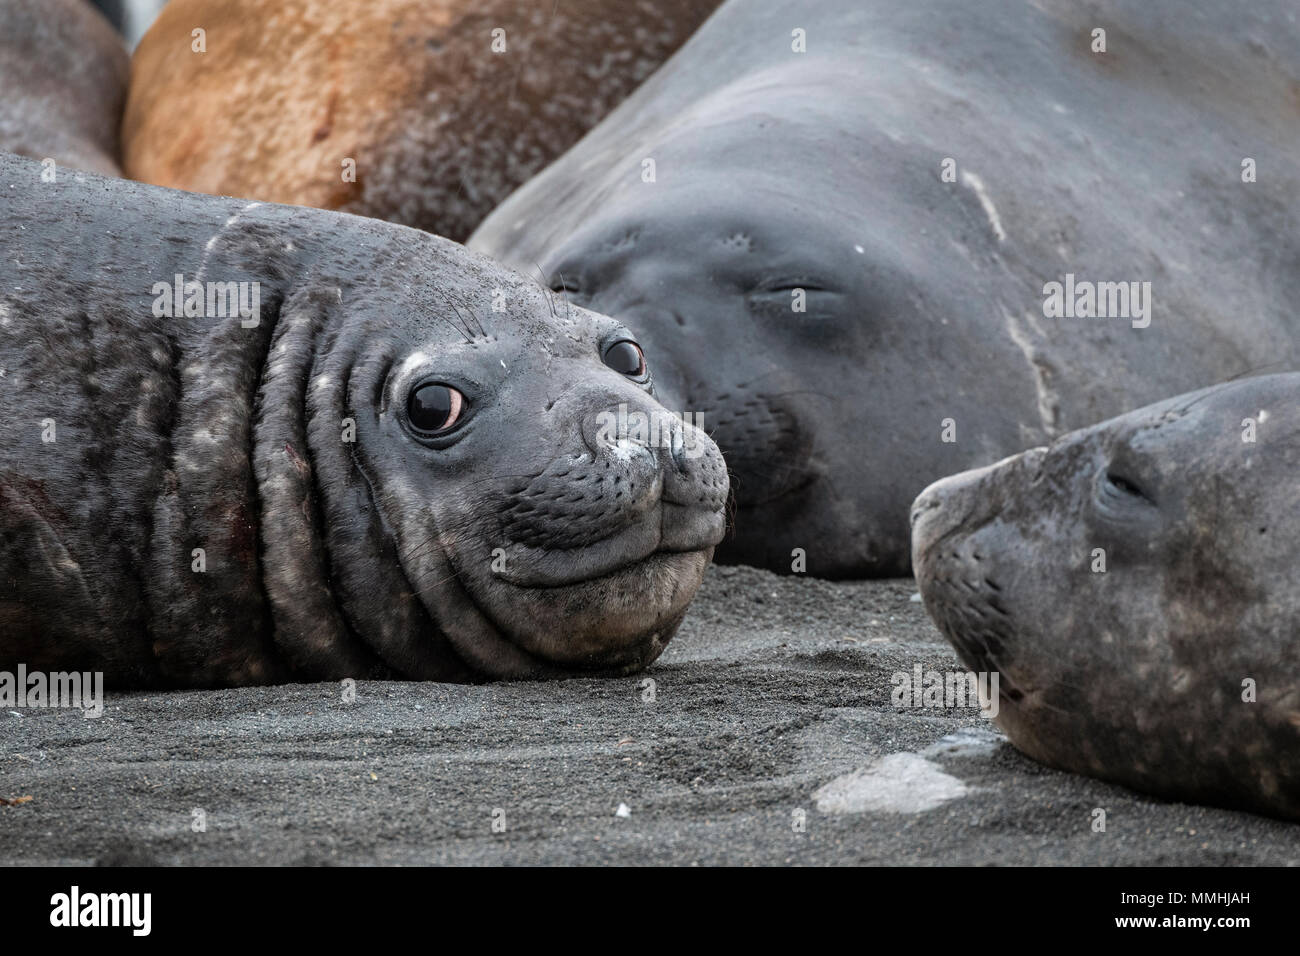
<point>768,737</point>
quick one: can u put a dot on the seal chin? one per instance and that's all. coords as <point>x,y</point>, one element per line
<point>619,621</point>
<point>589,589</point>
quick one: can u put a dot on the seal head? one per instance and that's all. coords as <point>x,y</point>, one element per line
<point>536,526</point>
<point>1134,585</point>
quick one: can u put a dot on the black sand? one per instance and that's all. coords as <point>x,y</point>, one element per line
<point>774,688</point>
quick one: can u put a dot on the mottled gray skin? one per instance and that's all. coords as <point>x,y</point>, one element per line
<point>823,170</point>
<point>1136,674</point>
<point>325,558</point>
<point>63,76</point>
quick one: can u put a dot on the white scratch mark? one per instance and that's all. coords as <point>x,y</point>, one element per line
<point>972,181</point>
<point>1049,403</point>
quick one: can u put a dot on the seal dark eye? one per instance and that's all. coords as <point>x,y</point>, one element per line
<point>626,358</point>
<point>434,408</point>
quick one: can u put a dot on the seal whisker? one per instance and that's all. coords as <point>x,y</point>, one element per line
<point>546,289</point>
<point>469,311</point>
<point>464,328</point>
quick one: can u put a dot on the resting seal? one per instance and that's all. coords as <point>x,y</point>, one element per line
<point>390,460</point>
<point>1176,669</point>
<point>924,346</point>
<point>63,74</point>
<point>442,115</point>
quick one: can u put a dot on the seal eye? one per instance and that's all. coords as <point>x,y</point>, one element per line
<point>434,408</point>
<point>1119,483</point>
<point>626,358</point>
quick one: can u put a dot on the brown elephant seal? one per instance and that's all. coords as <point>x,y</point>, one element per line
<point>63,77</point>
<point>443,106</point>
<point>247,443</point>
<point>846,230</point>
<point>1137,587</point>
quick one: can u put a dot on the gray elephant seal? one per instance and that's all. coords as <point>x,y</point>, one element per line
<point>1176,669</point>
<point>928,341</point>
<point>248,443</point>
<point>63,73</point>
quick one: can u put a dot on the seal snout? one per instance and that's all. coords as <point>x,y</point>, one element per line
<point>962,500</point>
<point>955,548</point>
<point>638,480</point>
<point>941,509</point>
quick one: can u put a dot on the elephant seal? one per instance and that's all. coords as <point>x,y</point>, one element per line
<point>1136,585</point>
<point>928,341</point>
<point>247,443</point>
<point>63,73</point>
<point>423,112</point>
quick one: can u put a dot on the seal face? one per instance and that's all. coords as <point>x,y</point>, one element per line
<point>423,112</point>
<point>836,233</point>
<point>64,74</point>
<point>1135,587</point>
<point>378,455</point>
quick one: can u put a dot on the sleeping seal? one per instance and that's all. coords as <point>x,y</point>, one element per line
<point>423,112</point>
<point>1137,587</point>
<point>63,75</point>
<point>873,243</point>
<point>247,443</point>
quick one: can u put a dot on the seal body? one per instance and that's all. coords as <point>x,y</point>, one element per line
<point>423,113</point>
<point>1135,586</point>
<point>248,443</point>
<point>63,72</point>
<point>841,226</point>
